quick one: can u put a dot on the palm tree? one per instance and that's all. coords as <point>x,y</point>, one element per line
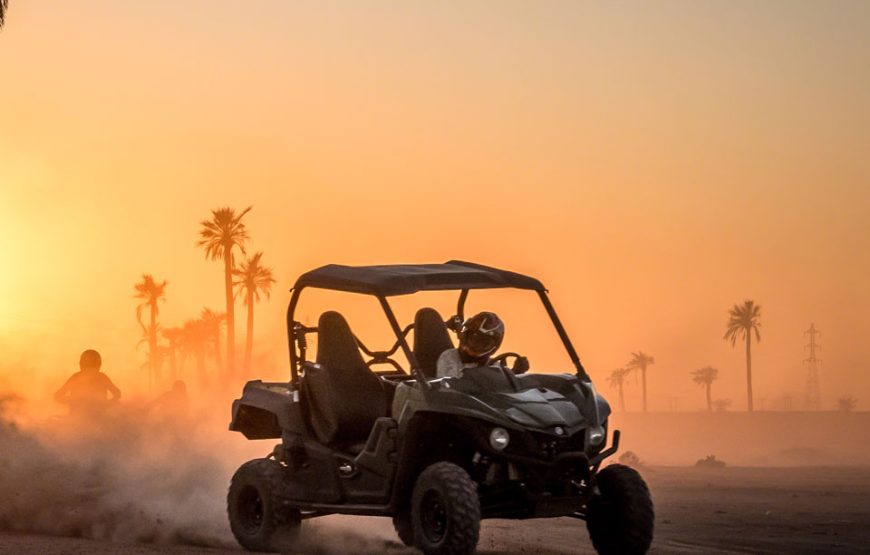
<point>254,278</point>
<point>195,341</point>
<point>640,361</point>
<point>617,379</point>
<point>218,237</point>
<point>4,5</point>
<point>706,376</point>
<point>150,292</point>
<point>175,337</point>
<point>743,320</point>
<point>214,323</point>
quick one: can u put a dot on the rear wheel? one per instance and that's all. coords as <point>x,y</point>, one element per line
<point>445,511</point>
<point>620,513</point>
<point>259,519</point>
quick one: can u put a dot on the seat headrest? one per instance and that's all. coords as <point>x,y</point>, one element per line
<point>431,338</point>
<point>336,345</point>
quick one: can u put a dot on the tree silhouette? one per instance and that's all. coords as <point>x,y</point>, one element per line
<point>175,337</point>
<point>742,321</point>
<point>150,292</point>
<point>213,323</point>
<point>4,5</point>
<point>706,376</point>
<point>617,379</point>
<point>640,361</point>
<point>846,404</point>
<point>196,342</point>
<point>218,236</point>
<point>253,279</point>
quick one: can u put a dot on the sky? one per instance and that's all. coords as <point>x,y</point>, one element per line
<point>651,163</point>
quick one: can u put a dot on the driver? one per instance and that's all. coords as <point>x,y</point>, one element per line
<point>479,337</point>
<point>86,391</point>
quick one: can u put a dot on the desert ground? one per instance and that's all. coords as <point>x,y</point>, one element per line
<point>726,510</point>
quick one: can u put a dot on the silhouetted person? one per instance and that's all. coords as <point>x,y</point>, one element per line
<point>87,391</point>
<point>173,403</point>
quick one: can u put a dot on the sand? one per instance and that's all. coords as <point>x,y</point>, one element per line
<point>728,510</point>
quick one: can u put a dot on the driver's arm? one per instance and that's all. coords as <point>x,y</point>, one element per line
<point>449,364</point>
<point>62,394</point>
<point>112,389</point>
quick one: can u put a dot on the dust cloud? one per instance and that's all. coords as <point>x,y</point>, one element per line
<point>139,478</point>
<point>122,481</point>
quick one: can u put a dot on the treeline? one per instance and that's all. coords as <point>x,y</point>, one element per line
<point>207,339</point>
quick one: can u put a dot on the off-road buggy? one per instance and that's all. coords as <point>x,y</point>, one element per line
<point>436,455</point>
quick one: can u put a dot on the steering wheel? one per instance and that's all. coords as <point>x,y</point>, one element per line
<point>520,366</point>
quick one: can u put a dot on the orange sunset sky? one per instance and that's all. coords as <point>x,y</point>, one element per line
<point>652,163</point>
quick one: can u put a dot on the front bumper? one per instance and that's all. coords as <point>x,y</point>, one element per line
<point>548,488</point>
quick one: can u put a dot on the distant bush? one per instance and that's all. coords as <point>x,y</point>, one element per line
<point>846,404</point>
<point>710,461</point>
<point>630,458</point>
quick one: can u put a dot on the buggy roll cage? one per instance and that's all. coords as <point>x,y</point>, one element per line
<point>384,281</point>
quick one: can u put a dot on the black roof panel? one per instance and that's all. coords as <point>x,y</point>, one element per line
<point>402,279</point>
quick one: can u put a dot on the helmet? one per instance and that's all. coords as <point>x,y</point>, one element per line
<point>481,335</point>
<point>90,359</point>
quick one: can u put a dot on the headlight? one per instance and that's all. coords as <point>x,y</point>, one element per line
<point>499,438</point>
<point>596,435</point>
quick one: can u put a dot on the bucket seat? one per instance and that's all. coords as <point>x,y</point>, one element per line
<point>343,396</point>
<point>431,338</point>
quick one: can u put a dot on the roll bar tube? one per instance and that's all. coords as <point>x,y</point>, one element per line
<point>397,329</point>
<point>563,335</point>
<point>551,312</point>
<point>294,334</point>
<point>460,304</point>
<point>291,337</point>
<point>296,337</point>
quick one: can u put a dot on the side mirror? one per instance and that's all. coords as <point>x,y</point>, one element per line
<point>521,366</point>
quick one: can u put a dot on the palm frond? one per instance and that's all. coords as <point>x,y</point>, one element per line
<point>743,319</point>
<point>213,320</point>
<point>639,361</point>
<point>222,232</point>
<point>139,316</point>
<point>254,278</point>
<point>617,376</point>
<point>705,376</point>
<point>150,292</point>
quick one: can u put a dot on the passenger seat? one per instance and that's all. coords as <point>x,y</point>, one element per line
<point>431,338</point>
<point>342,395</point>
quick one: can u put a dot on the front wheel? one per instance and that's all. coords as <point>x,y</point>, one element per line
<point>259,519</point>
<point>620,513</point>
<point>445,511</point>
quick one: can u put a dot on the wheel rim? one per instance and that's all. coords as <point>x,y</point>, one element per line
<point>433,516</point>
<point>250,509</point>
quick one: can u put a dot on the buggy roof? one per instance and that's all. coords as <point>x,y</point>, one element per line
<point>403,279</point>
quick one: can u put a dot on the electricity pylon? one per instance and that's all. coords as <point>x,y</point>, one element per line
<point>813,363</point>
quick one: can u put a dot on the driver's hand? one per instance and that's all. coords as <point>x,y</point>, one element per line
<point>521,366</point>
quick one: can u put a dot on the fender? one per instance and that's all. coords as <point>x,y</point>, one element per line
<point>265,410</point>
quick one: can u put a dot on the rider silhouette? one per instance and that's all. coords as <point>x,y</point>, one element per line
<point>87,390</point>
<point>173,404</point>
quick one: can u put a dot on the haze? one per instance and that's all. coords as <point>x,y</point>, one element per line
<point>651,165</point>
